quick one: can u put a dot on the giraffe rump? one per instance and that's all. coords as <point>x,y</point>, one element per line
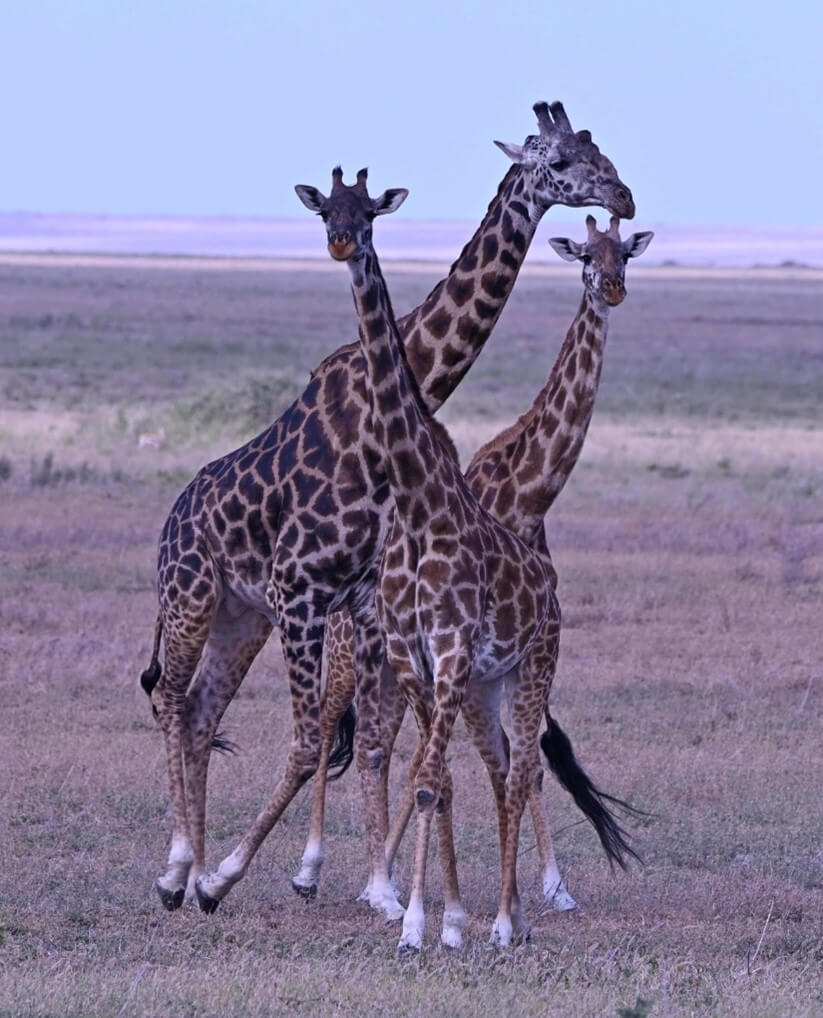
<point>588,798</point>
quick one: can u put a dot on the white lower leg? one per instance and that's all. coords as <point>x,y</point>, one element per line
<point>382,896</point>
<point>414,920</point>
<point>310,865</point>
<point>555,893</point>
<point>414,924</point>
<point>502,930</point>
<point>181,856</point>
<point>217,885</point>
<point>454,922</point>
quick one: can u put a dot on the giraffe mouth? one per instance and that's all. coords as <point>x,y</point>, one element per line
<point>341,252</point>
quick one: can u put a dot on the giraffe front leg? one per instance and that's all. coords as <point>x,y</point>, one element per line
<point>392,712</point>
<point>454,915</point>
<point>338,694</point>
<point>529,689</point>
<point>414,919</point>
<point>432,789</point>
<point>302,648</point>
<point>372,763</point>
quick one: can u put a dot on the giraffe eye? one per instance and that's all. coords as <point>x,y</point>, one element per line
<point>559,164</point>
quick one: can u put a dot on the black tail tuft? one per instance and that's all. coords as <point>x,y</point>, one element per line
<point>342,752</point>
<point>150,677</point>
<point>590,800</point>
<point>220,744</point>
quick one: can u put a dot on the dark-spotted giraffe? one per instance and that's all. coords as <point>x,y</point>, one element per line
<point>517,476</point>
<point>462,602</point>
<point>291,525</point>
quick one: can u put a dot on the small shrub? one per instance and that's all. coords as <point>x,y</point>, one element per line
<point>5,468</point>
<point>45,474</point>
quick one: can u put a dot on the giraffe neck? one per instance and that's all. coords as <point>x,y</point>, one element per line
<point>412,456</point>
<point>520,473</point>
<point>445,334</point>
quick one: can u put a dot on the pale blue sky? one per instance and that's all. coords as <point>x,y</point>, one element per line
<point>711,111</point>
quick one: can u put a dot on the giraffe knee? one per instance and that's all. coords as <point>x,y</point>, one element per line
<point>424,798</point>
<point>370,759</point>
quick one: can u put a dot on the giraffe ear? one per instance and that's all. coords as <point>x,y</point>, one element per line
<point>636,244</point>
<point>517,154</point>
<point>310,196</point>
<point>389,201</point>
<point>568,249</point>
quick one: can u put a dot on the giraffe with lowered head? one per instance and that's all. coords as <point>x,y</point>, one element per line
<point>290,526</point>
<point>516,476</point>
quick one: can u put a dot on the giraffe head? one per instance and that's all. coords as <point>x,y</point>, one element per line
<point>604,257</point>
<point>348,212</point>
<point>565,167</point>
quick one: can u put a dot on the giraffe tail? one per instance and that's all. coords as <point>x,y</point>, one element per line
<point>589,799</point>
<point>151,676</point>
<point>342,752</point>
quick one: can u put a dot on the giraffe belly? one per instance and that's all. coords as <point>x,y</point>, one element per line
<point>492,661</point>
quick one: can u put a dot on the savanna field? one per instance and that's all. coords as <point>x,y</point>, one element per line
<point>689,545</point>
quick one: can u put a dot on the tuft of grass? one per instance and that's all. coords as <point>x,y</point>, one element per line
<point>44,473</point>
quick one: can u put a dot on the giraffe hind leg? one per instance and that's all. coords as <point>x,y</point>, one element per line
<point>302,649</point>
<point>555,893</point>
<point>237,635</point>
<point>183,650</point>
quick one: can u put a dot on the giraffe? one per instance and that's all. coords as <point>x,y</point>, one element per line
<point>516,476</point>
<point>461,600</point>
<point>290,526</point>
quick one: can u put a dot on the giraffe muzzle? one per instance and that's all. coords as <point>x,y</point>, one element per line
<point>342,250</point>
<point>613,293</point>
<point>622,203</point>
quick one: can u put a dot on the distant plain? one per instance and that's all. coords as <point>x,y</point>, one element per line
<point>689,544</point>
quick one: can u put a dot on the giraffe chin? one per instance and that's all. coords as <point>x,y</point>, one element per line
<point>342,252</point>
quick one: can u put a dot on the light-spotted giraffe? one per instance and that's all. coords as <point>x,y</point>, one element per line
<point>463,602</point>
<point>517,476</point>
<point>290,526</point>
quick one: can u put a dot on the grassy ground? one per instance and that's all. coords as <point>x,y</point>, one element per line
<point>690,549</point>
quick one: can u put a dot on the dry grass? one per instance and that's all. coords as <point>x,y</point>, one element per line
<point>690,549</point>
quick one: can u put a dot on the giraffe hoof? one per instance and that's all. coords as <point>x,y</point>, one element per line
<point>307,891</point>
<point>559,899</point>
<point>205,901</point>
<point>409,948</point>
<point>172,900</point>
